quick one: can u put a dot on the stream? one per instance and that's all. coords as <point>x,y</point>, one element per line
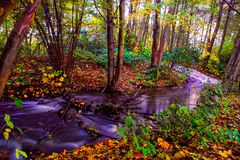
<point>46,131</point>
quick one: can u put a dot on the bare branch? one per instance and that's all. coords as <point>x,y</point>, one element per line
<point>231,7</point>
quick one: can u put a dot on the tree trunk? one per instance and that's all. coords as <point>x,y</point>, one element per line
<point>156,31</point>
<point>211,43</point>
<point>224,30</point>
<point>110,42</point>
<point>129,24</point>
<point>232,72</point>
<point>145,32</point>
<point>118,72</point>
<point>14,41</point>
<point>173,27</point>
<point>164,35</point>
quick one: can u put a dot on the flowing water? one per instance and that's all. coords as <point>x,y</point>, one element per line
<point>46,131</point>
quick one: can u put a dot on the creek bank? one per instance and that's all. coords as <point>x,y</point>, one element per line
<point>33,77</point>
<point>46,132</point>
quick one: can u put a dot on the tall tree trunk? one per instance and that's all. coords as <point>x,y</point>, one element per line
<point>173,27</point>
<point>110,42</point>
<point>211,43</point>
<point>129,24</point>
<point>135,9</point>
<point>120,46</point>
<point>145,32</point>
<point>156,32</point>
<point>164,35</point>
<point>232,73</point>
<point>14,41</point>
<point>140,32</point>
<point>224,30</point>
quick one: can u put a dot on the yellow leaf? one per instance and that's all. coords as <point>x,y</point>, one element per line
<point>45,74</point>
<point>43,70</point>
<point>51,75</point>
<point>17,83</point>
<point>6,135</point>
<point>58,84</point>
<point>179,155</point>
<point>8,130</point>
<point>61,79</point>
<point>49,67</point>
<point>45,80</point>
<point>225,153</point>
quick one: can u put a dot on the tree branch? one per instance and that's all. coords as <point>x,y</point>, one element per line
<point>231,7</point>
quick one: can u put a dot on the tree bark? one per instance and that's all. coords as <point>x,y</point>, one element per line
<point>173,27</point>
<point>211,43</point>
<point>110,42</point>
<point>142,25</point>
<point>232,72</point>
<point>164,35</point>
<point>156,32</point>
<point>224,30</point>
<point>14,41</point>
<point>119,67</point>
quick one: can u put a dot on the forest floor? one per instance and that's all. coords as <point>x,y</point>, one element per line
<point>33,77</point>
<point>165,149</point>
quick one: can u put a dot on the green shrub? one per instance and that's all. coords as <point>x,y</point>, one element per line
<point>138,134</point>
<point>103,60</point>
<point>86,55</point>
<point>186,56</point>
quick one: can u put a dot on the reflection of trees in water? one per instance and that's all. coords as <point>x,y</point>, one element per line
<point>154,103</point>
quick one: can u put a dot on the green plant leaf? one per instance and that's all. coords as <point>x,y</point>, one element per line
<point>18,102</point>
<point>129,121</point>
<point>17,153</point>
<point>24,154</point>
<point>7,118</point>
<point>20,130</point>
<point>10,124</point>
<point>203,142</point>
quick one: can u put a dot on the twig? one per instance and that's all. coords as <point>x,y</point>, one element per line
<point>135,95</point>
<point>231,7</point>
<point>66,110</point>
<point>99,11</point>
<point>104,89</point>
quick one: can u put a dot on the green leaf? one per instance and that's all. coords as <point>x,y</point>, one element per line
<point>129,121</point>
<point>17,153</point>
<point>195,123</point>
<point>18,102</point>
<point>20,130</point>
<point>24,154</point>
<point>187,134</point>
<point>153,149</point>
<point>121,131</point>
<point>203,142</point>
<point>10,124</point>
<point>7,118</point>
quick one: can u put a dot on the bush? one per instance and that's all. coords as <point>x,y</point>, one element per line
<point>185,56</point>
<point>86,55</point>
<point>138,134</point>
